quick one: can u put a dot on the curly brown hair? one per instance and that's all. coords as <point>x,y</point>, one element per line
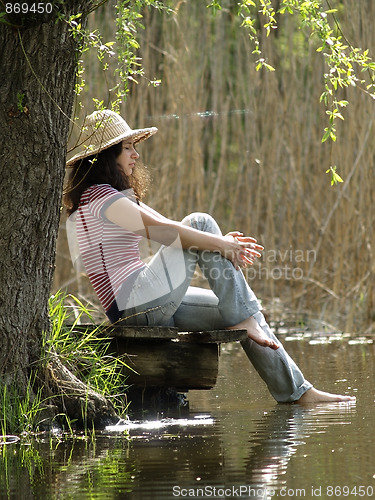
<point>102,168</point>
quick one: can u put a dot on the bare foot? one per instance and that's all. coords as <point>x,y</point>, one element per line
<point>255,332</point>
<point>314,396</point>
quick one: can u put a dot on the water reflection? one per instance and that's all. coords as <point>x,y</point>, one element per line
<point>174,457</point>
<point>232,437</point>
<point>131,425</point>
<point>280,432</point>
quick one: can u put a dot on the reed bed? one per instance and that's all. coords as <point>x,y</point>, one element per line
<point>246,147</point>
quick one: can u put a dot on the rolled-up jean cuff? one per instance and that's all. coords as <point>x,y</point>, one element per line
<point>306,386</point>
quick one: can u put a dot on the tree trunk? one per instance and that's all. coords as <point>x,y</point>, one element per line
<point>37,68</point>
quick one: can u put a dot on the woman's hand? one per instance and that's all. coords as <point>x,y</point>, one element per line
<point>241,250</point>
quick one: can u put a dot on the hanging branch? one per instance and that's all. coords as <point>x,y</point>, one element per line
<point>347,65</point>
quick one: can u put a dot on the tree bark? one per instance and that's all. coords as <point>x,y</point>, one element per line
<point>37,67</point>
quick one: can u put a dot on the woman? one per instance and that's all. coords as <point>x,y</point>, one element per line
<point>109,220</point>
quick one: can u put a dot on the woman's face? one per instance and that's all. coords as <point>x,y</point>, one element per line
<point>127,158</point>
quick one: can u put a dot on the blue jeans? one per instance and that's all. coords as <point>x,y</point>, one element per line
<point>162,295</point>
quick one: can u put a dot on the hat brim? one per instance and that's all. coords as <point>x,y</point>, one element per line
<point>137,135</point>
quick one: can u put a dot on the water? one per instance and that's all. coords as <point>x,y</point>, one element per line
<point>233,442</point>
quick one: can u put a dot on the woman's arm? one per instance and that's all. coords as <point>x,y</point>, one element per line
<point>154,226</point>
<point>153,212</point>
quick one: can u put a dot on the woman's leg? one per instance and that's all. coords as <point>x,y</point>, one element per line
<point>237,301</point>
<point>199,310</point>
<point>239,308</point>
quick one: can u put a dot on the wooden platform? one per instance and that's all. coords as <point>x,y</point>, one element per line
<point>163,357</point>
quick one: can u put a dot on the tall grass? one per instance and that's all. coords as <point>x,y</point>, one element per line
<point>246,147</point>
<point>85,354</point>
<point>19,415</point>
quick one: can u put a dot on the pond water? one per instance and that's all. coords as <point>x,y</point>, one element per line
<point>232,442</point>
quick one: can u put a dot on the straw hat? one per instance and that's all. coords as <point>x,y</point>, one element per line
<point>103,129</point>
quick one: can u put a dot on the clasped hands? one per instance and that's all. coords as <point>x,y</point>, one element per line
<point>244,251</point>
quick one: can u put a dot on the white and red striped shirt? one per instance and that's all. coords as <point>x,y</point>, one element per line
<point>109,253</point>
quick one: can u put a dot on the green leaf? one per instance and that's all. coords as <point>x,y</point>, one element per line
<point>335,177</point>
<point>269,67</point>
<point>326,134</point>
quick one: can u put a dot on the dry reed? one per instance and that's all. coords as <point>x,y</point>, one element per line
<point>246,147</point>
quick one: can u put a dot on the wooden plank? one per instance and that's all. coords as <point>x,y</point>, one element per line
<point>213,336</point>
<point>178,365</point>
<point>163,357</point>
<point>132,332</point>
<point>164,333</point>
<point>144,332</point>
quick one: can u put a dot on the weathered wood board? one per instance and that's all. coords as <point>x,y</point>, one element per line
<point>163,357</point>
<point>171,364</point>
